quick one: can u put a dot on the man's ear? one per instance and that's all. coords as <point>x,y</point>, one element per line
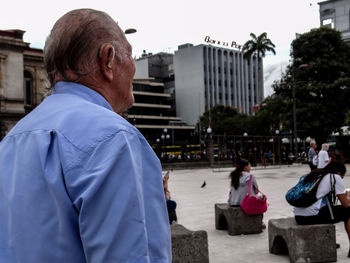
<point>106,57</point>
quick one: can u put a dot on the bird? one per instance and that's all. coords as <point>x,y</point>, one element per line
<point>204,184</point>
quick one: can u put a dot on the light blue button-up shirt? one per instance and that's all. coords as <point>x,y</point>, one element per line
<point>78,183</point>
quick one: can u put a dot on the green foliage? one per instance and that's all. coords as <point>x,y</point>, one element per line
<point>258,45</point>
<point>269,118</point>
<point>223,120</point>
<point>320,74</point>
<point>227,120</point>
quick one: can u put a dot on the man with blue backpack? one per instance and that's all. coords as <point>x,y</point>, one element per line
<point>314,197</point>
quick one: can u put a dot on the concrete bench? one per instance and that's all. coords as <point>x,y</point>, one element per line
<point>189,246</point>
<point>307,243</point>
<point>236,221</point>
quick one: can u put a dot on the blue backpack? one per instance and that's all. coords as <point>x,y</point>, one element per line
<point>303,195</point>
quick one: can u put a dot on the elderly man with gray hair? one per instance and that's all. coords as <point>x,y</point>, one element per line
<point>78,182</point>
<point>311,155</point>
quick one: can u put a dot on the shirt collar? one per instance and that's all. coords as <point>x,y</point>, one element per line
<point>64,87</point>
<point>245,173</point>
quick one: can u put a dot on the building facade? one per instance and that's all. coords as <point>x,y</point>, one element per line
<point>336,14</point>
<point>160,68</point>
<point>154,108</point>
<point>152,114</point>
<point>22,78</point>
<point>206,76</point>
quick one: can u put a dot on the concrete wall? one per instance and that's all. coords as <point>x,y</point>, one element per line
<point>339,12</point>
<point>189,83</point>
<point>141,69</point>
<point>13,76</point>
<point>12,81</point>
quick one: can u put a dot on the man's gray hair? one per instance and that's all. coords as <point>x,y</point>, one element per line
<point>312,143</point>
<point>74,43</point>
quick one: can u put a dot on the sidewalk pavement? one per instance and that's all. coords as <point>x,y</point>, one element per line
<point>195,210</point>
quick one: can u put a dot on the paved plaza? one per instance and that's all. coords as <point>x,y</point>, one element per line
<point>195,210</point>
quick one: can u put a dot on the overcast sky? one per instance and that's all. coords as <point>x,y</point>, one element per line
<point>163,25</point>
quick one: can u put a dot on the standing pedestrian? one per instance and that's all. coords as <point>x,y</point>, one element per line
<point>312,154</point>
<point>323,157</point>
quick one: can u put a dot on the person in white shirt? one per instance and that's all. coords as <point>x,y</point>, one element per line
<point>323,157</point>
<point>331,186</point>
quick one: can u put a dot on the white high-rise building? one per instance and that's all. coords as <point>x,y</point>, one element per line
<point>206,76</point>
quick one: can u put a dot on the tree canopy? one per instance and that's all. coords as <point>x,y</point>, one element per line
<point>320,75</point>
<point>224,119</point>
<point>227,120</point>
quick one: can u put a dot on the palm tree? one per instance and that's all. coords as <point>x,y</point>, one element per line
<point>258,45</point>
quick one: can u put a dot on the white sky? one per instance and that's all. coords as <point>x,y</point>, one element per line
<point>163,25</point>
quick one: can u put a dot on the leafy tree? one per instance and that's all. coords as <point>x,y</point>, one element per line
<point>270,116</point>
<point>320,75</point>
<point>227,120</point>
<point>224,119</point>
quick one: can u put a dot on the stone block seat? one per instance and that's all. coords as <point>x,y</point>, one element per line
<point>236,221</point>
<point>189,246</point>
<point>303,243</point>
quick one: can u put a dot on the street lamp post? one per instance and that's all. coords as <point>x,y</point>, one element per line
<point>244,148</point>
<point>294,118</point>
<point>210,146</point>
<point>294,111</point>
<point>163,137</point>
<point>158,153</point>
<point>277,132</point>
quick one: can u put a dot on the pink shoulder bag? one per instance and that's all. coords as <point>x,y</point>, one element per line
<point>253,204</point>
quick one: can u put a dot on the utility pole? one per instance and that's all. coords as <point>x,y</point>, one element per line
<point>295,118</point>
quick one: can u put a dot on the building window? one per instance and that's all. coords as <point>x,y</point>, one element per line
<point>28,87</point>
<point>328,22</point>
